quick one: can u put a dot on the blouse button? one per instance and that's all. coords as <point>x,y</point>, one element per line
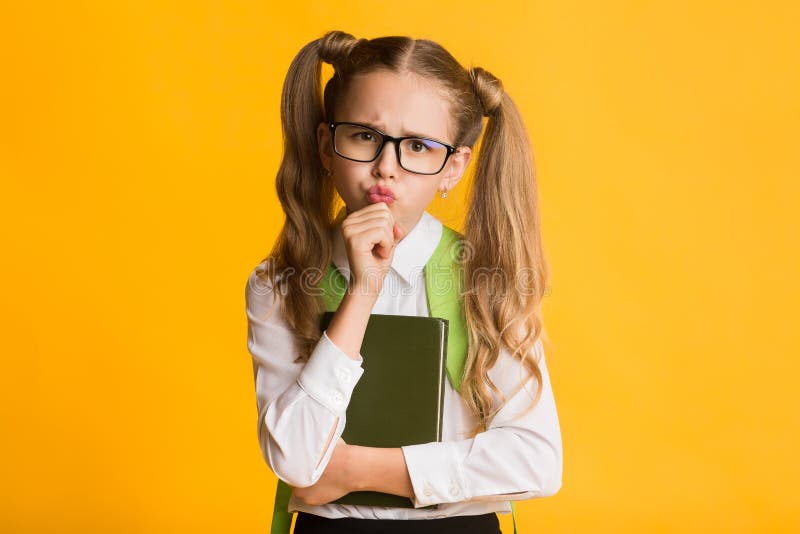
<point>338,398</point>
<point>343,374</point>
<point>428,492</point>
<point>454,491</point>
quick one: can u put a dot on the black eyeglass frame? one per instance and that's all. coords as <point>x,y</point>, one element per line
<point>384,139</point>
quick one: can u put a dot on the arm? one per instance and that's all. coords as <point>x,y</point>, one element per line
<point>301,407</point>
<point>348,469</point>
<point>380,469</point>
<point>511,460</point>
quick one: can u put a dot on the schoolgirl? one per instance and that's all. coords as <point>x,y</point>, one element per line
<point>398,122</point>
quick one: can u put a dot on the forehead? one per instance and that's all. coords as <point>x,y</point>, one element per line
<point>398,104</point>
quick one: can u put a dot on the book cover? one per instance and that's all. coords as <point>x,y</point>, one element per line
<point>399,399</point>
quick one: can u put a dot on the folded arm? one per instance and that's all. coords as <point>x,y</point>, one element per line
<point>512,460</point>
<point>301,406</point>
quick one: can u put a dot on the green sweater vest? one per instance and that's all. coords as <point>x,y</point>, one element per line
<point>443,285</point>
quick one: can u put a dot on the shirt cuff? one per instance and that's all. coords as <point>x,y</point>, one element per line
<point>330,375</point>
<point>435,473</point>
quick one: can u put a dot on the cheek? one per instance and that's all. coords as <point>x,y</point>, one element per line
<point>423,189</point>
<point>346,180</point>
<point>348,170</point>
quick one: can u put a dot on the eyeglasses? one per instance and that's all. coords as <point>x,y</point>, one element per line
<point>420,155</point>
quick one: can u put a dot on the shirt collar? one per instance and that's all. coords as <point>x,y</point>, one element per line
<point>410,255</point>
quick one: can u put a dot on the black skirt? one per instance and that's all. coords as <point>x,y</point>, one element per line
<point>460,524</point>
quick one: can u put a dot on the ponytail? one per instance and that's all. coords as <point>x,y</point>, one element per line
<point>504,265</point>
<point>302,251</point>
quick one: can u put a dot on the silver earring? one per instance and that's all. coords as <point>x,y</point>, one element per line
<point>444,194</point>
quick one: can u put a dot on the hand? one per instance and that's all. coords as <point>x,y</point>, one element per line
<point>370,236</point>
<point>337,480</point>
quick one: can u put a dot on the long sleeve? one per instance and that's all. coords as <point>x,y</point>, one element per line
<point>512,460</point>
<point>298,403</point>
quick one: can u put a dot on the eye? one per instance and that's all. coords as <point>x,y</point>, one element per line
<point>365,136</point>
<point>417,145</point>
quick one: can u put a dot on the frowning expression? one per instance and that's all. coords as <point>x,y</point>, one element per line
<point>399,105</point>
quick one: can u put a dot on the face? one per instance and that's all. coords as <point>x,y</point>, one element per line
<point>397,105</point>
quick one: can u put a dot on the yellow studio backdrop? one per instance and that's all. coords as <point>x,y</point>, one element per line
<point>139,143</point>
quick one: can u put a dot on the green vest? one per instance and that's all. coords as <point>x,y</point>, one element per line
<point>443,284</point>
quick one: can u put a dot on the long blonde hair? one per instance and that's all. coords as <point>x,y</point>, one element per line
<point>502,229</point>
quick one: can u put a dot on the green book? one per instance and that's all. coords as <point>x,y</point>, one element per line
<point>399,398</point>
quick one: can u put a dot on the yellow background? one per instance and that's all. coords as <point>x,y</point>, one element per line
<point>138,148</point>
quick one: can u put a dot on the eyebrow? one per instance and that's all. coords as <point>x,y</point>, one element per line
<point>405,132</point>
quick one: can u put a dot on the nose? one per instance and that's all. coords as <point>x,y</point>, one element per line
<point>386,164</point>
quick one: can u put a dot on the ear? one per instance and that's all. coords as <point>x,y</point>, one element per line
<point>324,144</point>
<point>456,166</point>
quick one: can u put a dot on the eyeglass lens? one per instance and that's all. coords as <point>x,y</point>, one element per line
<point>362,144</point>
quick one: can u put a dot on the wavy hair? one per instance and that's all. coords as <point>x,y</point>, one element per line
<point>501,236</point>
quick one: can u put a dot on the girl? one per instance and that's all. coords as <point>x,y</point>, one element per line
<point>397,123</point>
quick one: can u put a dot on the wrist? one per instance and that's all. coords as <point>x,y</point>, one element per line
<point>364,293</point>
<point>366,285</point>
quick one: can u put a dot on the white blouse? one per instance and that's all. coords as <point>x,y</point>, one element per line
<point>298,404</point>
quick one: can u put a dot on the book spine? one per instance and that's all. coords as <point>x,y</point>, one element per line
<point>442,378</point>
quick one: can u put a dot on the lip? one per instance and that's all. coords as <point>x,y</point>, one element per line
<point>377,194</point>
